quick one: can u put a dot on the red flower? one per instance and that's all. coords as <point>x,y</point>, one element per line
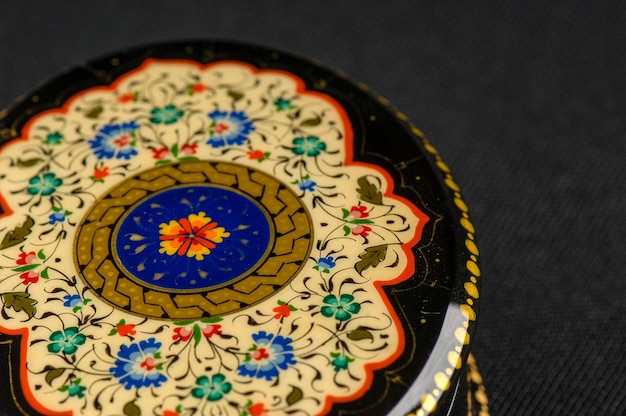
<point>257,409</point>
<point>161,153</point>
<point>181,333</point>
<point>170,413</point>
<point>26,258</point>
<point>358,212</point>
<point>127,329</point>
<point>282,311</point>
<point>29,277</point>
<point>189,149</point>
<point>361,230</point>
<point>197,87</point>
<point>211,330</point>
<point>256,155</point>
<point>125,98</point>
<point>100,174</point>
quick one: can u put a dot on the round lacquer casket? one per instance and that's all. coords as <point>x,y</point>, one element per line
<point>208,228</point>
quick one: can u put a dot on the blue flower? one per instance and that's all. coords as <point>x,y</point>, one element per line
<point>213,389</point>
<point>45,184</point>
<point>229,128</point>
<point>72,301</point>
<point>324,264</point>
<point>137,365</point>
<point>115,141</point>
<point>268,355</point>
<point>305,184</point>
<point>58,215</point>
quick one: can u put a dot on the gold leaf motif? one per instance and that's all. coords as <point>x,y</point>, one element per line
<point>369,192</point>
<point>131,409</point>
<point>359,334</point>
<point>371,257</point>
<point>20,301</point>
<point>18,234</point>
<point>28,162</point>
<point>311,122</point>
<point>295,396</point>
<point>94,112</point>
<point>54,374</point>
<point>235,95</point>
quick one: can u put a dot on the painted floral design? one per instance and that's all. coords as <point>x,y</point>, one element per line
<point>165,115</point>
<point>66,341</point>
<point>138,365</point>
<point>211,388</point>
<point>45,184</point>
<point>74,389</point>
<point>30,266</point>
<point>342,309</point>
<point>269,355</point>
<point>194,236</point>
<point>340,361</point>
<point>309,146</point>
<point>229,128</point>
<point>115,141</point>
<point>98,356</point>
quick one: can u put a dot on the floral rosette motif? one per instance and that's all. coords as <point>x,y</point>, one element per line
<point>313,341</point>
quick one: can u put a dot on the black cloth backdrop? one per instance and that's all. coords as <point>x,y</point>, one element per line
<point>525,101</point>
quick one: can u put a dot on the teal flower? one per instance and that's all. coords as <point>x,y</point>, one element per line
<point>53,138</point>
<point>66,341</point>
<point>166,115</point>
<point>342,309</point>
<point>282,104</point>
<point>74,389</point>
<point>213,389</point>
<point>44,184</point>
<point>310,146</point>
<point>340,361</point>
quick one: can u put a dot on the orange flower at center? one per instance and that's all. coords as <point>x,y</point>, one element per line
<point>193,236</point>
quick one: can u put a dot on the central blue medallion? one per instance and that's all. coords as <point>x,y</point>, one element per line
<point>192,237</point>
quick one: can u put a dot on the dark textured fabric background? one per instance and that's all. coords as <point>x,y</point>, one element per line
<point>526,102</point>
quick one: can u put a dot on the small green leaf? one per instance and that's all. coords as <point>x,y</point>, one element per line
<point>371,257</point>
<point>197,335</point>
<point>131,409</point>
<point>44,274</point>
<point>53,375</point>
<point>235,95</point>
<point>295,395</point>
<point>346,230</point>
<point>28,163</point>
<point>359,334</point>
<point>94,112</point>
<point>26,267</point>
<point>20,301</point>
<point>369,192</point>
<point>113,332</point>
<point>175,150</point>
<point>41,254</point>
<point>18,234</point>
<point>183,323</point>
<point>211,320</point>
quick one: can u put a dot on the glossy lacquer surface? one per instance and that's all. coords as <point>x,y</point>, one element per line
<point>211,228</point>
